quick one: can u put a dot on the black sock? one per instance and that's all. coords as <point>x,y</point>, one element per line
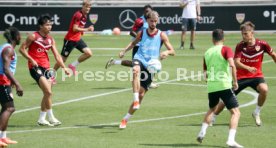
<point>182,43</point>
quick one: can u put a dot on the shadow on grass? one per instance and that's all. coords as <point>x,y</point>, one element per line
<point>98,126</point>
<point>22,126</point>
<point>183,145</point>
<point>223,124</point>
<point>109,88</point>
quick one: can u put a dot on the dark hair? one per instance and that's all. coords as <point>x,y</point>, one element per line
<point>218,35</point>
<point>43,19</point>
<point>12,34</point>
<point>147,6</point>
<point>247,26</point>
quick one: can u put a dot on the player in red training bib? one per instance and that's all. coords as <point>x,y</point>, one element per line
<point>73,37</point>
<point>39,44</point>
<point>248,59</point>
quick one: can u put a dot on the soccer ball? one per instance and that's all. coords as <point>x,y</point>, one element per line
<point>154,66</point>
<point>116,31</point>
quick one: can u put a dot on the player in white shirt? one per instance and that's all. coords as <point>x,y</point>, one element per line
<point>191,13</point>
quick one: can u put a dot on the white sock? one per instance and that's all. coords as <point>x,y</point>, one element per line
<point>50,113</point>
<point>136,96</point>
<point>257,110</point>
<point>127,116</point>
<point>203,129</point>
<point>117,62</point>
<point>232,134</point>
<point>3,134</point>
<point>42,115</point>
<point>75,63</point>
<point>213,119</point>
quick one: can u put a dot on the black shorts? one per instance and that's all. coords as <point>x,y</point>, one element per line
<point>134,51</point>
<point>145,76</point>
<point>68,46</point>
<point>37,72</point>
<point>5,94</point>
<point>227,96</point>
<point>251,82</point>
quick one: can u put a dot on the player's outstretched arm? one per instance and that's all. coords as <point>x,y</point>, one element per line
<point>170,51</point>
<point>234,73</point>
<point>243,66</point>
<point>130,45</point>
<point>59,58</point>
<point>273,55</point>
<point>23,49</point>
<point>183,5</point>
<point>76,28</point>
<point>6,56</point>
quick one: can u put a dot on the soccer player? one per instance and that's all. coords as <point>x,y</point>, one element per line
<point>248,59</point>
<point>73,38</point>
<point>140,24</point>
<point>190,14</point>
<point>217,62</point>
<point>39,43</point>
<point>150,39</point>
<point>8,60</point>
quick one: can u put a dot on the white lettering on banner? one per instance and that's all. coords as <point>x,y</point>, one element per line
<point>170,20</point>
<point>272,14</point>
<point>177,20</point>
<point>207,20</point>
<point>10,19</point>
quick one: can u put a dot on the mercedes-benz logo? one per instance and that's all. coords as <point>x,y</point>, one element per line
<point>127,18</point>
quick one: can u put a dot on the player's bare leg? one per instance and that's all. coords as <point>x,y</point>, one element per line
<point>192,39</point>
<point>46,101</point>
<point>87,53</point>
<point>217,111</point>
<point>263,91</point>
<point>136,86</point>
<point>183,37</point>
<point>127,63</point>
<point>234,121</point>
<point>131,111</point>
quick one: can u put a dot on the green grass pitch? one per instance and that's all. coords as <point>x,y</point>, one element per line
<point>170,116</point>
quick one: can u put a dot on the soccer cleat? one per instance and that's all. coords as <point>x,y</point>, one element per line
<point>43,122</point>
<point>54,121</point>
<point>257,119</point>
<point>73,68</point>
<point>8,141</point>
<point>153,85</point>
<point>136,105</point>
<point>233,144</point>
<point>3,144</point>
<point>199,139</point>
<point>192,46</point>
<point>123,124</point>
<point>109,63</point>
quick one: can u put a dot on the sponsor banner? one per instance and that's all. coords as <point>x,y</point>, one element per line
<point>228,18</point>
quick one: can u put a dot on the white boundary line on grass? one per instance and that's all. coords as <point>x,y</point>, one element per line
<point>254,94</point>
<point>98,95</point>
<point>119,91</point>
